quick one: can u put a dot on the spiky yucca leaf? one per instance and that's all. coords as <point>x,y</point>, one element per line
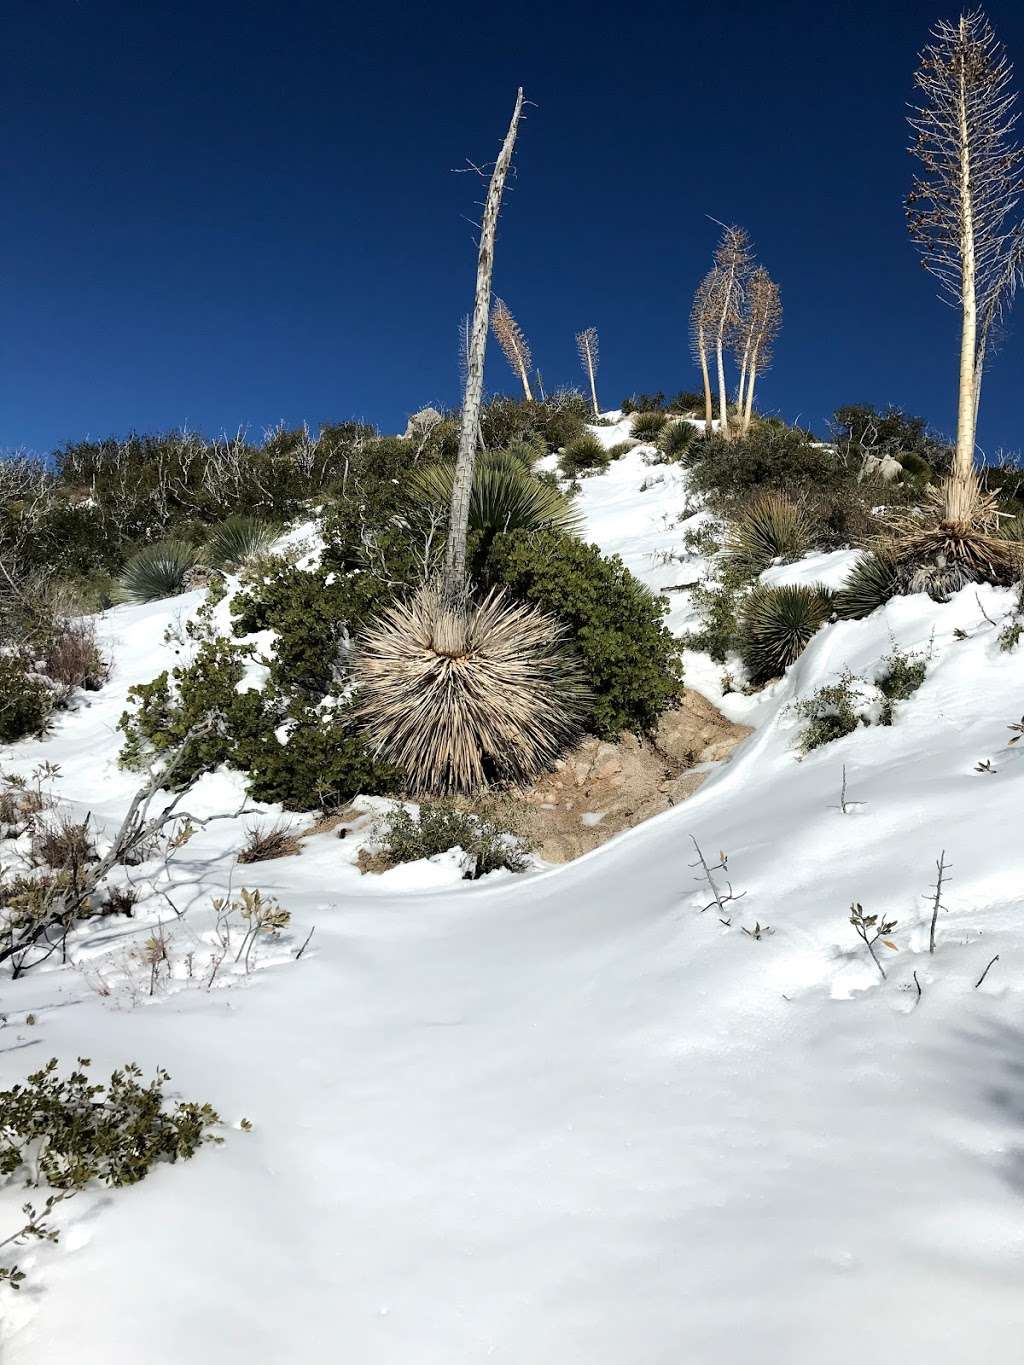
<point>873,579</point>
<point>676,438</point>
<point>505,496</point>
<point>646,426</point>
<point>239,539</point>
<point>582,455</point>
<point>458,700</point>
<point>769,528</point>
<point>777,625</point>
<point>157,571</point>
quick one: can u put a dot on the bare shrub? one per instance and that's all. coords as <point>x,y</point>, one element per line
<point>73,659</point>
<point>264,843</point>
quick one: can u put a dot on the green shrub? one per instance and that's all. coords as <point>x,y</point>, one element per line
<point>483,836</point>
<point>157,571</point>
<point>323,763</point>
<point>67,1131</point>
<point>769,528</point>
<point>163,714</point>
<point>862,429</point>
<point>583,455</point>
<point>902,674</point>
<point>777,625</point>
<point>768,459</point>
<point>647,426</point>
<point>26,700</point>
<point>239,540</point>
<point>675,439</point>
<point>687,403</point>
<point>642,402</point>
<point>872,581</point>
<point>630,660</point>
<point>830,713</point>
<point>555,421</point>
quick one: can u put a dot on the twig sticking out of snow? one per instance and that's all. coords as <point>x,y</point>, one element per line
<point>863,924</point>
<point>718,899</point>
<point>942,867</point>
<point>985,973</point>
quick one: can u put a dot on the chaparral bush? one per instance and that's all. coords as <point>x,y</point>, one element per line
<point>630,660</point>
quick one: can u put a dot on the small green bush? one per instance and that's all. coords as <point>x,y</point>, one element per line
<point>26,700</point>
<point>157,571</point>
<point>584,455</point>
<point>67,1132</point>
<point>830,713</point>
<point>778,624</point>
<point>768,529</point>
<point>902,674</point>
<point>719,602</point>
<point>872,581</point>
<point>437,827</point>
<point>647,426</point>
<point>675,439</point>
<point>630,660</point>
<point>322,761</point>
<point>688,403</point>
<point>769,459</point>
<point>642,402</point>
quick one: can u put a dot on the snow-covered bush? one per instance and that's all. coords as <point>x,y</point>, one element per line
<point>902,674</point>
<point>830,713</point>
<point>484,836</point>
<point>64,1132</point>
<point>27,699</point>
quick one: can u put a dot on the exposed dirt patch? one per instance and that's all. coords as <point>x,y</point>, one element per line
<point>601,789</point>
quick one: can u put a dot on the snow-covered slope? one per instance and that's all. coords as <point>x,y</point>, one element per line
<point>570,1117</point>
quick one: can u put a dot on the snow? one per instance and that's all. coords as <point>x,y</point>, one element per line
<point>568,1116</point>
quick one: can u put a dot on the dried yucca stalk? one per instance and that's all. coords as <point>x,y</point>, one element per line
<point>587,344</point>
<point>456,699</point>
<point>510,338</point>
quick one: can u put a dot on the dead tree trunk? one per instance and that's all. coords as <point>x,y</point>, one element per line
<point>454,581</point>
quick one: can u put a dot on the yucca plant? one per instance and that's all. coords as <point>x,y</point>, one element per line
<point>157,571</point>
<point>239,539</point>
<point>873,580</point>
<point>459,699</point>
<point>646,426</point>
<point>583,455</point>
<point>675,439</point>
<point>771,527</point>
<point>504,497</point>
<point>957,540</point>
<point>777,625</point>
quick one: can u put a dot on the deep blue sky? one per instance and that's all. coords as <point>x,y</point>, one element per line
<point>224,214</point>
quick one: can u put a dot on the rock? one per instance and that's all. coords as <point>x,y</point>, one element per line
<point>420,423</point>
<point>885,467</point>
